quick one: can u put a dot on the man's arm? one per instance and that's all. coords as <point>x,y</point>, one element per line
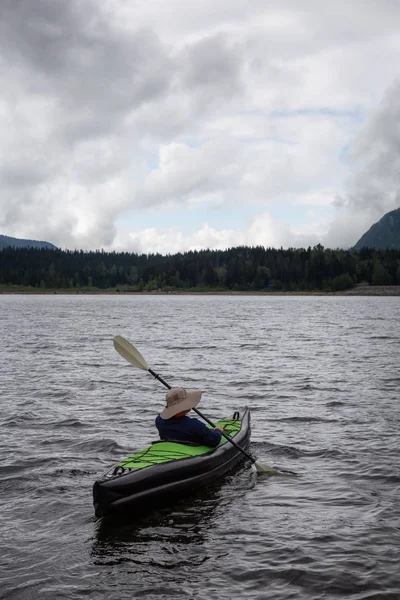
<point>206,436</point>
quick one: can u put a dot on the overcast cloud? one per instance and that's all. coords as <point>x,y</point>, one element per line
<point>165,126</point>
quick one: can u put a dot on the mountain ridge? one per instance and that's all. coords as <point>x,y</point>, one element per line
<point>384,234</point>
<point>7,241</point>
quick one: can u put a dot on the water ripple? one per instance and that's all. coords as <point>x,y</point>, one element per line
<point>321,377</point>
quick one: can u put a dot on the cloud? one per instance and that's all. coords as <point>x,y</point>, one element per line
<point>119,108</point>
<point>68,51</point>
<point>374,187</point>
<point>263,230</point>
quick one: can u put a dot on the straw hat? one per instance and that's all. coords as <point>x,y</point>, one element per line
<point>178,400</point>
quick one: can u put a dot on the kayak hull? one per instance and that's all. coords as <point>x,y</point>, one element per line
<point>119,490</point>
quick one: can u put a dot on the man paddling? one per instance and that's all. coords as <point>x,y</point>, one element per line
<point>173,424</point>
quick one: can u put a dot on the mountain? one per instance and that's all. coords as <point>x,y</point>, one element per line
<point>383,235</point>
<point>6,241</point>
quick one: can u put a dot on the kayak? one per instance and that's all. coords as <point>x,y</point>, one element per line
<point>166,468</point>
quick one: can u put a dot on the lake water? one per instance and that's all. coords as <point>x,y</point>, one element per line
<point>321,375</point>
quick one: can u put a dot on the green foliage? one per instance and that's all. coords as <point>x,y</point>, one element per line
<point>240,268</point>
<point>342,282</point>
<point>380,276</point>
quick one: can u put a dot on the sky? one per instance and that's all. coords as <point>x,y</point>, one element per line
<point>173,125</point>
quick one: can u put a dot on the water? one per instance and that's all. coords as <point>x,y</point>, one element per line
<point>321,375</point>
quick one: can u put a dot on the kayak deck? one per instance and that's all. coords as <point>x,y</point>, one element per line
<point>161,452</point>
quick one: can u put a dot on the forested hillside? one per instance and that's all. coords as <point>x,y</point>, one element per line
<point>241,268</point>
<point>383,235</point>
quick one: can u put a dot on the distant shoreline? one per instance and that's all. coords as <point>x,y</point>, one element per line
<point>393,290</point>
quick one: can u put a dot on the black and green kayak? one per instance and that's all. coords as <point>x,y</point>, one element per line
<point>167,468</point>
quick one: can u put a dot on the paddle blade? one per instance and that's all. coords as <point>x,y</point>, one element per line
<point>129,352</point>
<point>263,469</point>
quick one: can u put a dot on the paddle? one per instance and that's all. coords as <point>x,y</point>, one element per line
<point>133,356</point>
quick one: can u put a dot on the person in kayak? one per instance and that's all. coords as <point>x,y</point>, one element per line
<point>173,424</point>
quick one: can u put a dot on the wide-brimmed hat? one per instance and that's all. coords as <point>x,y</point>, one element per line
<point>178,400</point>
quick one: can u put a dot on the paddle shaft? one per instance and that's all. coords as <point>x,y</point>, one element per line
<point>253,460</point>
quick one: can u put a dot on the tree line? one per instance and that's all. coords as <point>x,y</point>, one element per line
<point>240,268</point>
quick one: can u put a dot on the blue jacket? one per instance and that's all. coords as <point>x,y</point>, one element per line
<point>185,429</point>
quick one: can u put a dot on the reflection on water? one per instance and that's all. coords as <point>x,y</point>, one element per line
<point>183,521</point>
<point>170,550</point>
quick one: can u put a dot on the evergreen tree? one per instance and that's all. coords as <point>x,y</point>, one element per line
<point>241,268</point>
